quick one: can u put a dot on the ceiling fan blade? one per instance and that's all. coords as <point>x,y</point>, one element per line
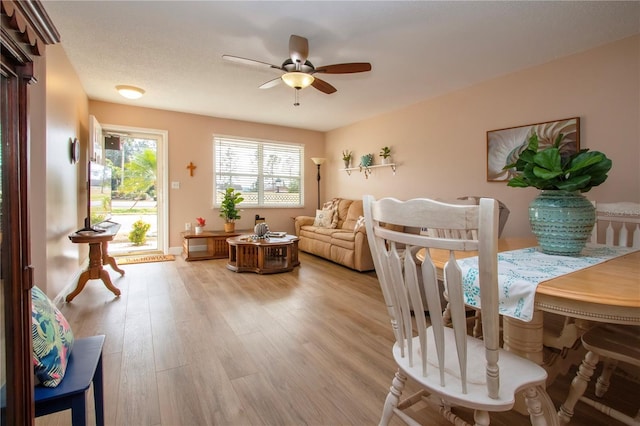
<point>323,86</point>
<point>345,68</point>
<point>298,49</point>
<point>271,83</point>
<point>246,61</point>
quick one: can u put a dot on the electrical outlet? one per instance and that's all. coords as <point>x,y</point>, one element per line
<point>175,185</point>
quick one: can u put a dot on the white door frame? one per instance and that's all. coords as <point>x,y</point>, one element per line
<point>162,189</point>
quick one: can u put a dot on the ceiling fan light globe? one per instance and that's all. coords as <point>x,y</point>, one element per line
<point>297,80</point>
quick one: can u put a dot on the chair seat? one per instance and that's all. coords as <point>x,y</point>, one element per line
<point>516,373</point>
<point>84,367</point>
<point>621,342</point>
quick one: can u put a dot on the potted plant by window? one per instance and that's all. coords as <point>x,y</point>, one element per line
<point>228,208</point>
<point>346,157</point>
<point>385,153</point>
<point>561,218</point>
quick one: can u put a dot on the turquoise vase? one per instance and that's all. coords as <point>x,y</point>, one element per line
<point>562,221</point>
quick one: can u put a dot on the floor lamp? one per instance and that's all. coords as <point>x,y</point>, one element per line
<point>318,162</point>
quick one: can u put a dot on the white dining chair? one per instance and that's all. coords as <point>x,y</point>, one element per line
<point>451,367</point>
<point>622,221</point>
<point>611,343</point>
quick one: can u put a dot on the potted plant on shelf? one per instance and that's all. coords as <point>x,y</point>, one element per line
<point>561,217</point>
<point>346,157</point>
<point>200,225</point>
<point>228,208</point>
<point>385,153</point>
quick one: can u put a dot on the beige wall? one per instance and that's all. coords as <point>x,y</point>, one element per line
<point>440,144</point>
<point>191,140</point>
<point>64,199</point>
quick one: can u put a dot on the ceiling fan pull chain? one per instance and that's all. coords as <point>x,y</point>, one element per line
<point>296,102</point>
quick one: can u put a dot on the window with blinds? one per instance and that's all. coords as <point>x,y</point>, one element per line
<point>268,174</point>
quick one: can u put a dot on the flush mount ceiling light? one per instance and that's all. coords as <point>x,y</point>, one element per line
<point>297,80</point>
<point>130,92</point>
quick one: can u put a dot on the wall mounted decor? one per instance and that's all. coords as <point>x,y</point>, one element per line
<point>505,145</point>
<point>366,160</point>
<point>74,150</point>
<point>191,168</point>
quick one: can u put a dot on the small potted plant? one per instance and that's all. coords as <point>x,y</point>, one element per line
<point>200,225</point>
<point>346,157</point>
<point>385,153</point>
<point>228,208</point>
<point>561,218</point>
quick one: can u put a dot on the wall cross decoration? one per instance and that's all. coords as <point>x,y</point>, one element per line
<point>191,168</point>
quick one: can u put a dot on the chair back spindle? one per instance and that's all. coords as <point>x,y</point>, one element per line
<point>622,222</point>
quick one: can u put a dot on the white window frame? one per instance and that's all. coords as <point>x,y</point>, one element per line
<point>261,196</point>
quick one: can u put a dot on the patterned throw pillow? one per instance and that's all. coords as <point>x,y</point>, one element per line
<point>323,218</point>
<point>334,221</point>
<point>359,224</point>
<point>52,339</point>
<point>331,204</point>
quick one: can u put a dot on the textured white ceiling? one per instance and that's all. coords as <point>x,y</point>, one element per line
<point>418,50</point>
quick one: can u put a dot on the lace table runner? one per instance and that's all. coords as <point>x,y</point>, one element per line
<point>520,272</point>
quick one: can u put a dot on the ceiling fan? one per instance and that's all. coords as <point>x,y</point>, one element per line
<point>299,73</point>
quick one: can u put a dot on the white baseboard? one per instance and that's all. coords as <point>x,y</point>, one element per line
<point>175,250</point>
<point>71,284</point>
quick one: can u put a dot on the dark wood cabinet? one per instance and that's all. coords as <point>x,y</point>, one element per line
<point>24,32</point>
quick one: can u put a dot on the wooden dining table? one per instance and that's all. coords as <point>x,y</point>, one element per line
<point>606,292</point>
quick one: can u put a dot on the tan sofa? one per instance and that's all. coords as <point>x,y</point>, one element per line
<point>340,244</point>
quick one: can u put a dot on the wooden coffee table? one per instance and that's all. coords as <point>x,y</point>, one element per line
<point>263,256</point>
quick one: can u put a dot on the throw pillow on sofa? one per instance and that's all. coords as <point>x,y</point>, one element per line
<point>324,218</point>
<point>52,339</point>
<point>334,221</point>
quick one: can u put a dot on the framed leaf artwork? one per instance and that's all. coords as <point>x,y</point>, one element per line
<point>505,145</point>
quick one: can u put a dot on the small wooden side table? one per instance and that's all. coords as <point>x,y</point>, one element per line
<point>98,256</point>
<point>263,256</point>
<point>215,244</point>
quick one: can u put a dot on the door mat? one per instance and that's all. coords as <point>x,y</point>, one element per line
<point>128,260</point>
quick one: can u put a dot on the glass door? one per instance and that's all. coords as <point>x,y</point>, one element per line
<point>137,160</point>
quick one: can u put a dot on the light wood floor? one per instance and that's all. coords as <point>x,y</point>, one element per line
<point>192,343</point>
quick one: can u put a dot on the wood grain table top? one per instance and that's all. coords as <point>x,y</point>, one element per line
<point>615,282</point>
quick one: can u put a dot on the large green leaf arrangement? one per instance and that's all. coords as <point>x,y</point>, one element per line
<point>548,169</point>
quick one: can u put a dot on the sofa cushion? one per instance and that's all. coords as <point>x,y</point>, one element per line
<point>354,212</point>
<point>317,232</point>
<point>342,255</point>
<point>327,231</point>
<point>310,232</point>
<point>343,239</point>
<point>315,246</point>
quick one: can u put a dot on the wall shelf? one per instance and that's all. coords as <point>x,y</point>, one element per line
<point>367,170</point>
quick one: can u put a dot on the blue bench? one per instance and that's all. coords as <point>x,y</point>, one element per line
<point>84,367</point>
